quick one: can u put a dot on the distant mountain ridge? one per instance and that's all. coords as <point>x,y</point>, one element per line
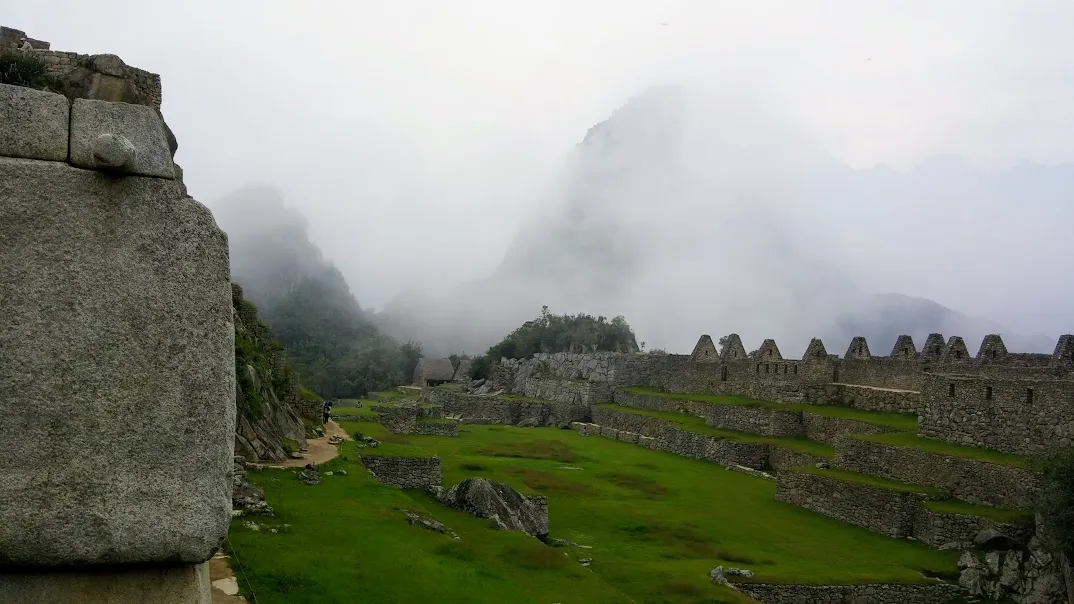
<point>684,216</point>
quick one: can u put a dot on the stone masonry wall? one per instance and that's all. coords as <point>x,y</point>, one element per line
<point>408,420</point>
<point>781,459</point>
<point>829,430</point>
<point>966,479</point>
<point>866,398</point>
<point>404,472</point>
<point>754,420</point>
<point>934,593</point>
<point>743,418</point>
<point>875,508</point>
<point>667,436</point>
<point>562,390</point>
<point>1025,416</point>
<point>938,530</point>
<point>480,409</point>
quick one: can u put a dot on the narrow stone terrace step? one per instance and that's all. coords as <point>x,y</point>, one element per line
<point>897,509</point>
<point>973,476</point>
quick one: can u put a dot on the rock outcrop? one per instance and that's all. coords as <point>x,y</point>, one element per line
<point>267,427</point>
<point>1002,570</point>
<point>247,498</point>
<point>500,503</point>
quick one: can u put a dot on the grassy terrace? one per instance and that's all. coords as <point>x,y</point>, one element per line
<point>692,423</point>
<point>903,422</point>
<point>952,506</point>
<point>913,441</point>
<point>655,523</point>
<point>872,481</point>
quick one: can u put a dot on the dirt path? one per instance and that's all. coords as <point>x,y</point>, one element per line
<point>225,588</point>
<point>318,450</point>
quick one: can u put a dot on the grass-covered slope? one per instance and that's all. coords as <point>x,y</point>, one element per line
<point>655,524</point>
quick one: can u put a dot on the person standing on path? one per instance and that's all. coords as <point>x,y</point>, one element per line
<point>327,411</point>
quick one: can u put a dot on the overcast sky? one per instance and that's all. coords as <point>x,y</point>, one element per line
<point>417,135</point>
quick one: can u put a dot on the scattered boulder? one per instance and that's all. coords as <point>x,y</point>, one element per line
<point>718,575</point>
<point>430,524</point>
<point>310,475</point>
<point>585,561</point>
<point>823,465</point>
<point>246,498</point>
<point>498,502</point>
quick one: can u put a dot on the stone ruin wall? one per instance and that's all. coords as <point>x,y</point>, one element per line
<point>841,594</point>
<point>967,479</point>
<point>486,409</point>
<point>858,380</point>
<point>880,510</point>
<point>103,77</point>
<point>412,420</point>
<point>1023,416</point>
<point>404,472</point>
<point>118,298</point>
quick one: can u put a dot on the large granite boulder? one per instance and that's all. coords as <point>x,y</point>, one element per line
<point>500,503</point>
<point>117,380</point>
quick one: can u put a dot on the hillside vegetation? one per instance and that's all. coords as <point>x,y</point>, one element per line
<point>266,389</point>
<point>559,333</point>
<point>333,343</point>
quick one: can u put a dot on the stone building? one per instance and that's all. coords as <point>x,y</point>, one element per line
<point>434,372</point>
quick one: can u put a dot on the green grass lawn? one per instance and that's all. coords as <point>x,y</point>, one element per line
<point>692,423</point>
<point>913,441</point>
<point>903,422</point>
<point>656,523</point>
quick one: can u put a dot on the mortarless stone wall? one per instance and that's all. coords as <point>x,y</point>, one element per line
<point>1023,416</point>
<point>970,480</point>
<point>668,436</point>
<point>866,398</point>
<point>483,409</point>
<point>404,472</point>
<point>931,593</point>
<point>829,430</point>
<point>939,529</point>
<point>875,508</point>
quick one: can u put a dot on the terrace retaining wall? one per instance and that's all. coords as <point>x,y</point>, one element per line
<point>934,593</point>
<point>667,436</point>
<point>478,409</point>
<point>937,529</point>
<point>829,430</point>
<point>966,479</point>
<point>875,508</point>
<point>743,418</point>
<point>866,398</point>
<point>404,472</point>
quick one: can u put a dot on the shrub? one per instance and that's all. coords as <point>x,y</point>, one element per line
<point>480,368</point>
<point>20,68</point>
<point>566,333</point>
